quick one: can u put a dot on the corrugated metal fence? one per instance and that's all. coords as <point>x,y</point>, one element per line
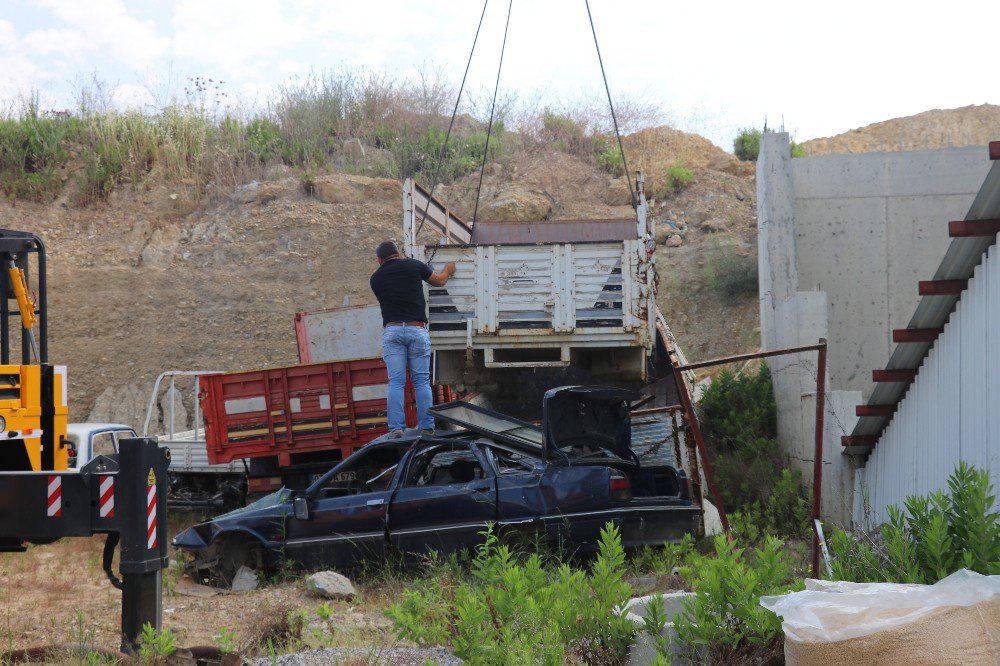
<point>952,409</point>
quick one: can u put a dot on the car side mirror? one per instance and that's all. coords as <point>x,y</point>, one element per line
<point>301,506</point>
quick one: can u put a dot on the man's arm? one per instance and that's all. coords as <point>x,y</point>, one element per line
<point>439,278</point>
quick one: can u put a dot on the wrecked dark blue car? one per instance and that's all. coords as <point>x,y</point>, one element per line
<point>562,482</point>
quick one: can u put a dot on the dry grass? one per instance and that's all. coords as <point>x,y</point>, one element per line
<point>209,143</point>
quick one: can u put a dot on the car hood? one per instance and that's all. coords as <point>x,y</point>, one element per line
<point>200,535</point>
<point>597,414</point>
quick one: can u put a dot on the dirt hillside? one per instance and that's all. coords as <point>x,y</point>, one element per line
<point>939,128</point>
<point>151,281</point>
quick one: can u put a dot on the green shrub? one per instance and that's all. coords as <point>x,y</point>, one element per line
<point>738,418</point>
<point>565,134</point>
<point>608,156</point>
<point>729,273</point>
<point>521,613</point>
<point>676,178</point>
<point>725,623</point>
<point>33,147</point>
<point>797,150</point>
<point>746,145</point>
<point>264,140</point>
<point>155,645</point>
<point>936,535</point>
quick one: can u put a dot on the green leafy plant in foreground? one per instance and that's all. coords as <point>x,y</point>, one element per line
<point>725,623</point>
<point>155,645</point>
<point>513,612</point>
<point>934,536</point>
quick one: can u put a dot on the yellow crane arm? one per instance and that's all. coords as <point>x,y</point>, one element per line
<point>25,303</point>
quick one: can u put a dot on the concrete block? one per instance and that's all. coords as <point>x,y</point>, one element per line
<point>644,649</point>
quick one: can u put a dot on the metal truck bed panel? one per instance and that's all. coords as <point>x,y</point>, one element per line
<point>505,290</point>
<point>339,333</point>
<point>296,409</point>
<point>189,455</point>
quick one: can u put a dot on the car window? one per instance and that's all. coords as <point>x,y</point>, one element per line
<point>510,462</point>
<point>443,465</point>
<point>104,444</point>
<point>124,434</point>
<point>366,471</point>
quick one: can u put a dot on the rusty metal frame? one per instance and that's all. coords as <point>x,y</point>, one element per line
<point>820,348</point>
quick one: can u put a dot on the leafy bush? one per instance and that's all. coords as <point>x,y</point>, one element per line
<point>746,145</point>
<point>936,535</point>
<point>608,155</point>
<point>661,560</point>
<point>738,417</point>
<point>33,147</point>
<point>155,646</point>
<point>729,273</point>
<point>264,140</point>
<point>520,613</point>
<point>676,178</point>
<point>566,134</point>
<point>725,621</point>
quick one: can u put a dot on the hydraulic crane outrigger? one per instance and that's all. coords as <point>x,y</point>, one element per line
<point>41,501</point>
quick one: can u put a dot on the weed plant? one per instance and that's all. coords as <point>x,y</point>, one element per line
<point>520,612</point>
<point>729,274</point>
<point>155,646</point>
<point>738,417</point>
<point>724,623</point>
<point>933,536</point>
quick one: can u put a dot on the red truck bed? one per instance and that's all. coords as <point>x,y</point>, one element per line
<point>297,409</point>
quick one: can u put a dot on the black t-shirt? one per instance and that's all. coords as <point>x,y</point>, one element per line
<point>398,286</point>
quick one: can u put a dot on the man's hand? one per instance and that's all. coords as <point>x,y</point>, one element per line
<point>440,278</point>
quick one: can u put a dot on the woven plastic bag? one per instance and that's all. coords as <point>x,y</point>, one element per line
<point>954,621</point>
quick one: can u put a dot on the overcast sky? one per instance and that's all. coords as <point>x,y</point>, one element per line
<point>713,67</point>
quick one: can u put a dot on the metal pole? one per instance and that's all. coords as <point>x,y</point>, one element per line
<point>142,596</point>
<point>818,454</point>
<point>171,392</point>
<point>700,442</point>
<point>754,355</point>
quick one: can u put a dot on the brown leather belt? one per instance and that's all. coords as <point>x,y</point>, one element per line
<point>419,324</point>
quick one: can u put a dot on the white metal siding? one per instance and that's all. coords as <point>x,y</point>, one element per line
<point>951,411</point>
<point>594,289</point>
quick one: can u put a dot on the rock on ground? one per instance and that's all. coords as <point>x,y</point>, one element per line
<point>330,585</point>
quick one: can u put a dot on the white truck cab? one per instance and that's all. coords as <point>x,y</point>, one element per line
<point>95,439</point>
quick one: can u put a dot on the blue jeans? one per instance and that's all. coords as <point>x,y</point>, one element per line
<point>402,346</point>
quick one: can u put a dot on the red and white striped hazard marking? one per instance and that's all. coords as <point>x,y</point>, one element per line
<point>151,542</point>
<point>106,506</point>
<point>55,496</point>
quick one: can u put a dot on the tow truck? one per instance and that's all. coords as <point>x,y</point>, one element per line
<point>43,498</point>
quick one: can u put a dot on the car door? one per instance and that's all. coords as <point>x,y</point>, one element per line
<point>446,497</point>
<point>347,514</point>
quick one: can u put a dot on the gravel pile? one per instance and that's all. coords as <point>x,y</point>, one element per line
<point>394,656</point>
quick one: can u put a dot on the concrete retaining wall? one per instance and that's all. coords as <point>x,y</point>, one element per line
<point>843,241</point>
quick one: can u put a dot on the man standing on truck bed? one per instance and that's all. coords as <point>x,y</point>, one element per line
<point>405,340</point>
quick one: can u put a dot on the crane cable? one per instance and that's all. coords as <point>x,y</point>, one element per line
<point>493,106</point>
<point>454,113</point>
<point>614,119</point>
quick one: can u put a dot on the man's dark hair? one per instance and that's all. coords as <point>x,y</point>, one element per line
<point>386,249</point>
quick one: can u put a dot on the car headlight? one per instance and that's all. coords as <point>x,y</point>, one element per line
<point>3,424</point>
